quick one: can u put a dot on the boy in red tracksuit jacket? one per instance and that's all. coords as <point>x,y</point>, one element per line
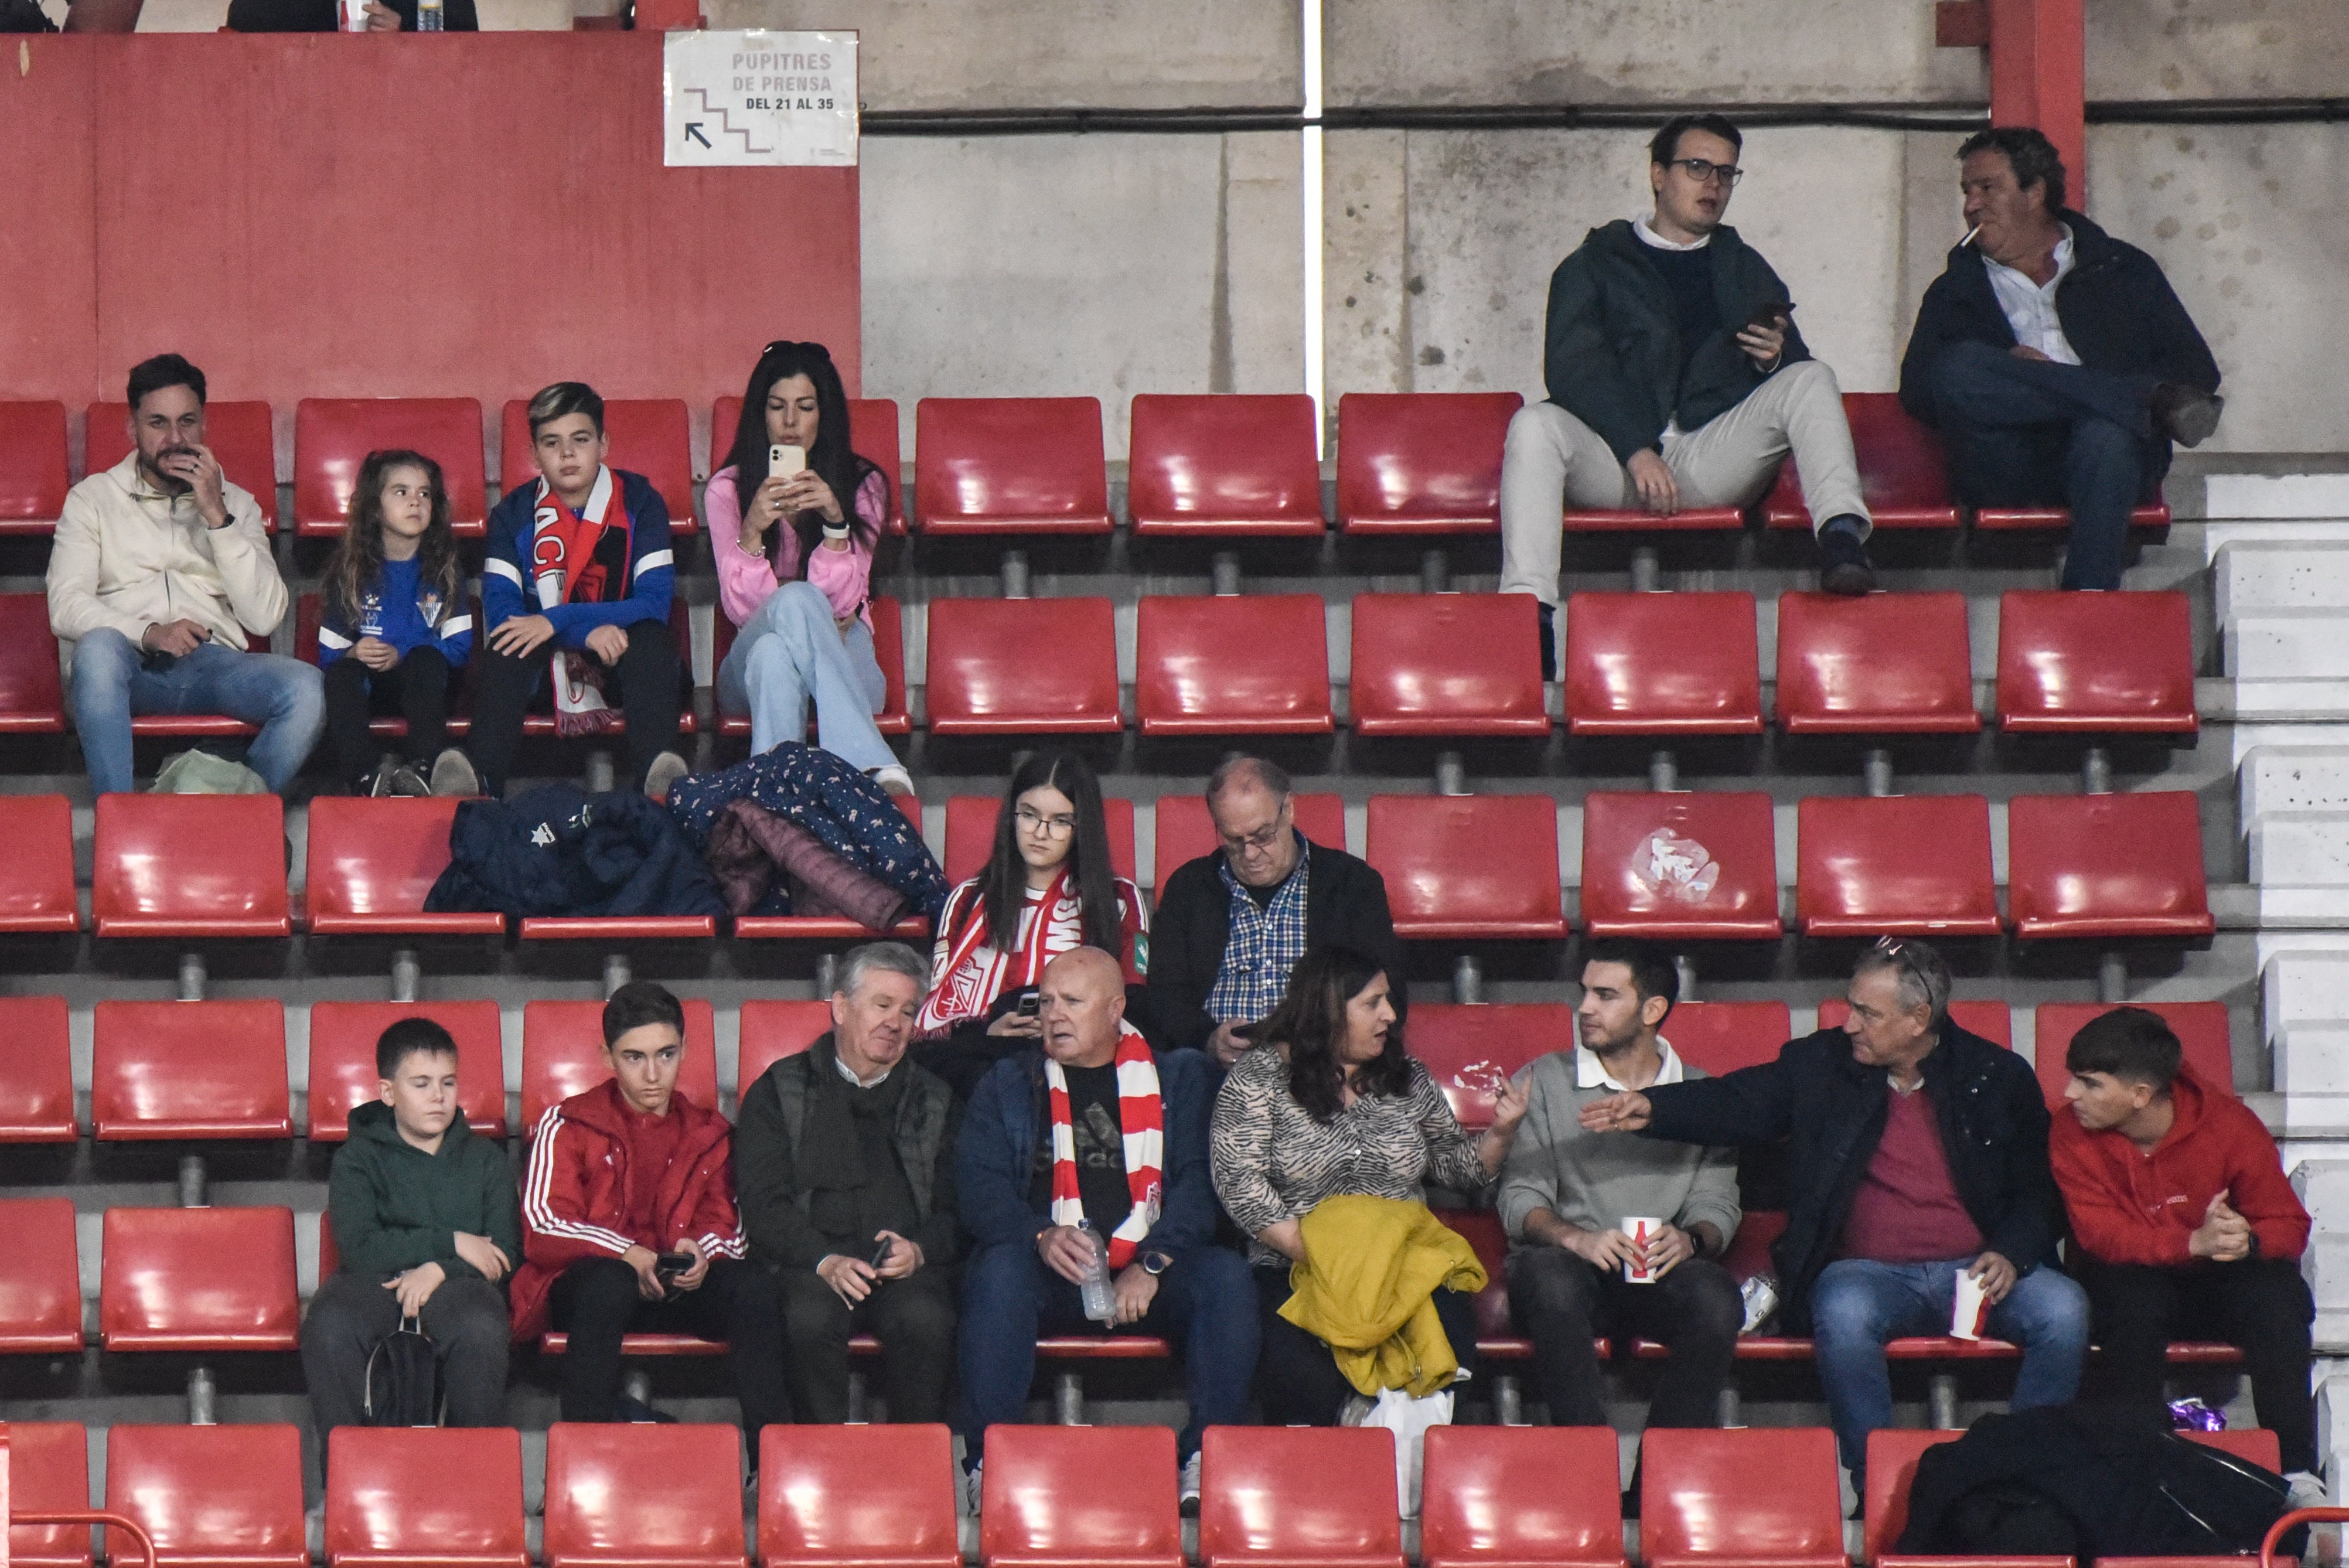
<point>625,1180</point>
<point>2183,1225</point>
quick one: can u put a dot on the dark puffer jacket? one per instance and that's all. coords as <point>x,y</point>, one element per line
<point>559,851</point>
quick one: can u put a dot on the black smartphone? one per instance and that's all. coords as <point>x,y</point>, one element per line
<point>1030,1004</point>
<point>1776,313</point>
<point>668,1265</point>
<point>881,1253</point>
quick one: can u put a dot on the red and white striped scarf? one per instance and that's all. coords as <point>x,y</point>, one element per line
<point>565,570</point>
<point>1140,1117</point>
<point>976,968</point>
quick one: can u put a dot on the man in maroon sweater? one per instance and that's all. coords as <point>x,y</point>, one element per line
<point>2183,1225</point>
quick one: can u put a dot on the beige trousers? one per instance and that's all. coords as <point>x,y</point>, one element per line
<point>1553,460</point>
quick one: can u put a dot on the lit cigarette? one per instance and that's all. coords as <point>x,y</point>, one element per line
<point>1970,236</point>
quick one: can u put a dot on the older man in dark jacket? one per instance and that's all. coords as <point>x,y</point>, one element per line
<point>1917,1153</point>
<point>2057,361</point>
<point>844,1168</point>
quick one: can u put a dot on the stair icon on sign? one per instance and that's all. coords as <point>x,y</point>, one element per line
<point>726,126</point>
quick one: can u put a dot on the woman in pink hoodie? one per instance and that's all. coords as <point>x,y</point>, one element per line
<point>795,565</point>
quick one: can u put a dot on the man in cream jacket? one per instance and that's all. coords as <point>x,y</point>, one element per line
<point>159,570</point>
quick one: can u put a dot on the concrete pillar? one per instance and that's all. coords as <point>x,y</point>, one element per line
<point>1069,1400</point>
<point>1942,1398</point>
<point>192,977</point>
<point>616,972</point>
<point>602,777</point>
<point>1450,774</point>
<point>1228,574</point>
<point>192,1177</point>
<point>1878,770</point>
<point>638,1385</point>
<point>1647,573</point>
<point>407,975</point>
<point>1015,574</point>
<point>860,1399</point>
<point>1467,980</point>
<point>2112,978</point>
<point>201,1397</point>
<point>1685,967</point>
<point>1663,772</point>
<point>1508,1401</point>
<point>1434,572</point>
<point>2096,772</point>
<point>827,974</point>
<point>1732,1415</point>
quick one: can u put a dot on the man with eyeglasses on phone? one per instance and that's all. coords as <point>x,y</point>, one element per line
<point>1916,1153</point>
<point>1677,380</point>
<point>1231,925</point>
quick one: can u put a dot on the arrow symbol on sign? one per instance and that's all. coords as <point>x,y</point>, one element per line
<point>693,133</point>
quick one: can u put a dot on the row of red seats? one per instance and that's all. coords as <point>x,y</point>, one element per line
<point>1418,464</point>
<point>884,1497</point>
<point>173,1070</point>
<point>1666,866</point>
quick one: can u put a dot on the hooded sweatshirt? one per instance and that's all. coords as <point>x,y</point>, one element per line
<point>394,1207</point>
<point>2131,1207</point>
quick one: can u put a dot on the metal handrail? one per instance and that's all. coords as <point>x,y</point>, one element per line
<point>129,1527</point>
<point>2298,1516</point>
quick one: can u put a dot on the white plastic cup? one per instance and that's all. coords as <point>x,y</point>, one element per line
<point>352,14</point>
<point>1969,1311</point>
<point>1642,1230</point>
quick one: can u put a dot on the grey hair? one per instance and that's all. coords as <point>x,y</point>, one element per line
<point>891,958</point>
<point>1236,771</point>
<point>1924,979</point>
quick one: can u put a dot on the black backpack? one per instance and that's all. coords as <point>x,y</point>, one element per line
<point>403,1378</point>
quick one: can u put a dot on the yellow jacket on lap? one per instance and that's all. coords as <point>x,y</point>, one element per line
<point>1372,1266</point>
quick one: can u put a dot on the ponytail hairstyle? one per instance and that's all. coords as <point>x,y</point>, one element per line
<point>356,564</point>
<point>831,457</point>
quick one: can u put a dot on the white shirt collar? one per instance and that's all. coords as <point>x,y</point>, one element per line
<point>1591,1073</point>
<point>1647,235</point>
<point>2063,254</point>
<point>879,1078</point>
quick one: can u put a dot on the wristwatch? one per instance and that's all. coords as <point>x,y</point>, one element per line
<point>836,532</point>
<point>1156,1263</point>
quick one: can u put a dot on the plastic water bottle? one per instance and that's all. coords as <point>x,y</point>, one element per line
<point>1100,1299</point>
<point>429,17</point>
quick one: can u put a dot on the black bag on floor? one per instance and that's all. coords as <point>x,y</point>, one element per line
<point>2088,1482</point>
<point>403,1378</point>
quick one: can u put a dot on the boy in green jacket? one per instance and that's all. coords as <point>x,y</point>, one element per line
<point>429,1224</point>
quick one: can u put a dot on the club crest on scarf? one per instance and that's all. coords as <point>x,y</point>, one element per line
<point>565,570</point>
<point>1140,1118</point>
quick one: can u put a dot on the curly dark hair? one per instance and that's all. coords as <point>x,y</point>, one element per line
<point>356,564</point>
<point>1311,1022</point>
<point>2029,153</point>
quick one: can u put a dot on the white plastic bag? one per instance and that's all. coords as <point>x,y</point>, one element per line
<point>1409,1420</point>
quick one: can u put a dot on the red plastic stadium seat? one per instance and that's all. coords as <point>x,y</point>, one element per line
<point>1287,1496</point>
<point>1637,520</point>
<point>1663,664</point>
<point>2155,515</point>
<point>1018,667</point>
<point>342,1036</point>
<point>2202,1027</point>
<point>240,434</point>
<point>1231,666</point>
<point>424,1497</point>
<point>2257,1444</point>
<point>833,928</point>
<point>332,437</point>
<point>1723,1036</point>
<point>1893,1456</point>
<point>36,890</point>
<point>1990,1020</point>
<point>1221,464</point>
<point>309,610</point>
<point>857,1497</point>
<point>1469,1049</point>
<point>190,866</point>
<point>188,1069</point>
<point>970,833</point>
<point>1752,1496</point>
<point>643,1496</point>
<point>1679,866</point>
<point>1888,664</point>
<point>872,427</point>
<point>211,1496</point>
<point>33,475</point>
<point>48,1472</point>
<point>1010,465</point>
<point>188,726</point>
<point>774,1030</point>
<point>623,928</point>
<point>1908,866</point>
<point>1903,477</point>
<point>371,862</point>
<point>1468,866</point>
<point>888,651</point>
<point>1520,1497</point>
<point>198,1279</point>
<point>1185,831</point>
<point>1101,1496</point>
<point>32,689</point>
<point>1422,463</point>
<point>1447,664</point>
<point>2095,663</point>
<point>37,1092</point>
<point>40,1291</point>
<point>540,724</point>
<point>563,1055</point>
<point>2106,866</point>
<point>650,436</point>
<point>1497,1335</point>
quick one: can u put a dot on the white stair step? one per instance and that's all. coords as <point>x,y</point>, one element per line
<point>2295,778</point>
<point>2287,910</point>
<point>2275,701</point>
<point>2323,1188</point>
<point>2325,1265</point>
<point>2305,988</point>
<point>2300,850</point>
<point>2252,575</point>
<point>2287,495</point>
<point>2310,1060</point>
<point>2293,644</point>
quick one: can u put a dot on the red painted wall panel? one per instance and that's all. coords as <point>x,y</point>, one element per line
<point>323,215</point>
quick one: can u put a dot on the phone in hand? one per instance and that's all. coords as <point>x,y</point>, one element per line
<point>668,1265</point>
<point>1031,1002</point>
<point>1776,312</point>
<point>881,1253</point>
<point>783,461</point>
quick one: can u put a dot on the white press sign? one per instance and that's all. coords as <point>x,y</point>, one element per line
<point>759,97</point>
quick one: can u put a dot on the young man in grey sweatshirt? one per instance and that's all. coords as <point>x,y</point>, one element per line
<point>1565,1194</point>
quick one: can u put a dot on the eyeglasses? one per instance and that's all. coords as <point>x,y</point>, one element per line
<point>1260,841</point>
<point>1051,827</point>
<point>1703,171</point>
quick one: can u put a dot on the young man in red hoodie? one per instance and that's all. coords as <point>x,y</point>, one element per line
<point>629,1226</point>
<point>2183,1226</point>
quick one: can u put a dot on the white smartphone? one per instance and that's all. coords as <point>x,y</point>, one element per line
<point>782,461</point>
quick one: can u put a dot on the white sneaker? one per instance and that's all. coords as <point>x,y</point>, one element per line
<point>2307,1491</point>
<point>971,1488</point>
<point>893,779</point>
<point>666,769</point>
<point>1188,1495</point>
<point>454,774</point>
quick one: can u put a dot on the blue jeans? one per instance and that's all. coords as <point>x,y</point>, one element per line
<point>2027,432</point>
<point>1856,1306</point>
<point>791,649</point>
<point>1204,1306</point>
<point>114,679</point>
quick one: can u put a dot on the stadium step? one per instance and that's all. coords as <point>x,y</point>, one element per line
<point>2251,577</point>
<point>2295,643</point>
